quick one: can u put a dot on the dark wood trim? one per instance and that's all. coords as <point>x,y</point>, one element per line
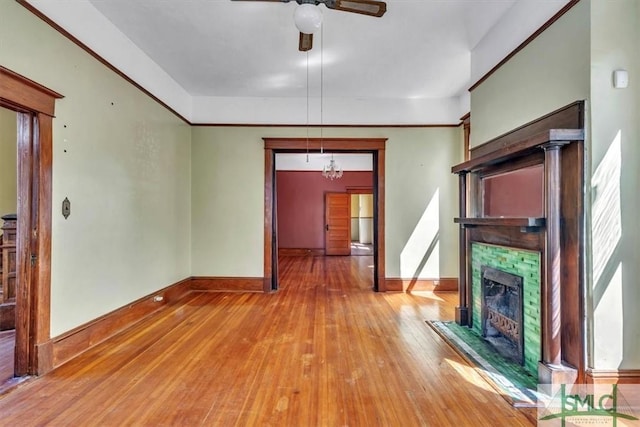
<point>328,144</point>
<point>360,190</point>
<point>613,376</point>
<point>44,357</point>
<point>300,252</point>
<point>501,222</point>
<point>353,145</point>
<point>573,271</point>
<point>443,284</point>
<point>380,247</point>
<point>27,137</point>
<point>270,243</point>
<point>42,247</point>
<point>506,236</point>
<point>328,126</point>
<point>35,106</point>
<point>525,43</point>
<point>465,122</point>
<point>521,148</point>
<point>65,347</point>
<point>568,117</point>
<point>534,159</point>
<point>99,58</point>
<point>70,344</point>
<point>227,284</point>
<point>551,300</point>
<point>462,310</point>
<point>464,191</point>
<point>33,96</point>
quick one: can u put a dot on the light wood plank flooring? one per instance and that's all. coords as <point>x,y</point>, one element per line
<point>323,351</point>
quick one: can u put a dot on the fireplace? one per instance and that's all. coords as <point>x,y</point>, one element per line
<point>502,314</point>
<point>521,205</point>
<point>512,268</point>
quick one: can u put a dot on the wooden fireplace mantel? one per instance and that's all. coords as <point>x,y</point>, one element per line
<point>555,141</point>
<point>518,149</point>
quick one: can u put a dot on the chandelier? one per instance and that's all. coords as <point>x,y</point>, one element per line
<point>332,171</point>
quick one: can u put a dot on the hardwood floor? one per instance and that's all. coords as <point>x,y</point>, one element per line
<point>323,351</point>
<point>361,249</point>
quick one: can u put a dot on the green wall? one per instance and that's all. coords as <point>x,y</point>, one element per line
<point>142,183</point>
<point>574,59</point>
<point>615,174</point>
<point>551,72</point>
<point>228,198</point>
<point>124,163</point>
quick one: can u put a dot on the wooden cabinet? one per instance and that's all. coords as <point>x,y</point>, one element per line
<point>8,272</point>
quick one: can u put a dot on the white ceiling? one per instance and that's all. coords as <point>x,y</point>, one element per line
<point>223,61</point>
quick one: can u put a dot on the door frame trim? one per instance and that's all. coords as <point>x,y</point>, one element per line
<point>35,105</point>
<point>375,146</point>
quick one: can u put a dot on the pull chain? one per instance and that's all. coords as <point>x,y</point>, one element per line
<point>307,106</point>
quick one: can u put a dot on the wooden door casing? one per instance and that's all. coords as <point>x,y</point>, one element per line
<point>337,237</point>
<point>35,105</point>
<point>375,146</point>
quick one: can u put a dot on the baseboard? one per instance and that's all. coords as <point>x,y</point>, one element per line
<point>613,376</point>
<point>44,357</point>
<point>444,284</point>
<point>300,252</point>
<point>70,344</point>
<point>65,347</point>
<point>227,284</point>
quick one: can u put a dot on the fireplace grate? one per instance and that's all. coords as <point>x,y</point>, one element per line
<point>502,312</point>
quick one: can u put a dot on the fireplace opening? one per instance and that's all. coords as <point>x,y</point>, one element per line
<point>502,312</point>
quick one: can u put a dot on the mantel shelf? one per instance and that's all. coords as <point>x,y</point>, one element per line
<point>523,146</point>
<point>527,224</point>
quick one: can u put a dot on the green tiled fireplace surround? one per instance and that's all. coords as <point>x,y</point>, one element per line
<point>521,263</point>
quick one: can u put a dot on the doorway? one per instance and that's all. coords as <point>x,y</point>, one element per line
<point>375,147</point>
<point>8,209</point>
<point>361,221</point>
<point>34,106</point>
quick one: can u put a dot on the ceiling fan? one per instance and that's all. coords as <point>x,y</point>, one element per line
<point>308,21</point>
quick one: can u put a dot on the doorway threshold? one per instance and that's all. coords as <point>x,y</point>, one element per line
<point>13,383</point>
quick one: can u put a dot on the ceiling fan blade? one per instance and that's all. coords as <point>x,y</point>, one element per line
<point>364,7</point>
<point>279,1</point>
<point>306,42</point>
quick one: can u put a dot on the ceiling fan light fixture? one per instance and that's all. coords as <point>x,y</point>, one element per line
<point>308,18</point>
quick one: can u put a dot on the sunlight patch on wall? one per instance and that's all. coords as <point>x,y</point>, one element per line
<point>420,257</point>
<point>606,212</point>
<point>609,323</point>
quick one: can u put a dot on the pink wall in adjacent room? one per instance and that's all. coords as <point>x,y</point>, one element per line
<point>300,204</point>
<point>515,194</point>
